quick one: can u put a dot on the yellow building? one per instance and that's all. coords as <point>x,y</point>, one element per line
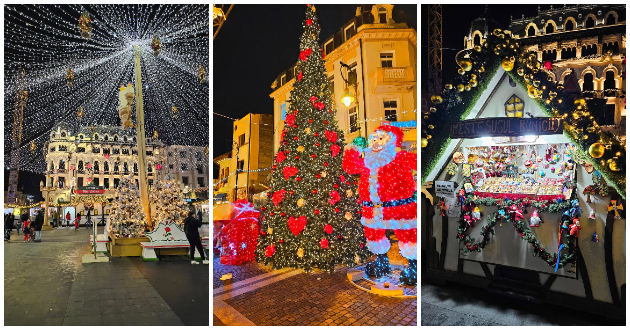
<point>251,155</point>
<point>382,49</point>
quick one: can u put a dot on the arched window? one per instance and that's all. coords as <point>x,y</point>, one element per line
<point>95,136</point>
<point>477,40</point>
<point>96,166</point>
<point>125,138</point>
<point>549,28</point>
<point>106,167</point>
<point>514,107</point>
<point>116,167</point>
<point>569,26</point>
<point>588,50</point>
<point>53,135</point>
<point>587,85</point>
<point>115,138</point>
<point>80,166</point>
<point>609,83</point>
<point>610,20</point>
<point>52,166</point>
<point>106,138</point>
<point>590,22</point>
<point>531,31</point>
<point>149,168</point>
<point>62,164</point>
<point>382,15</point>
<point>63,134</point>
<point>135,167</point>
<point>80,136</point>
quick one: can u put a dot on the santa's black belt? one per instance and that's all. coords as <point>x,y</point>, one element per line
<point>391,203</point>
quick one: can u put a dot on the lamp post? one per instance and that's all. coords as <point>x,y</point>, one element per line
<point>47,188</point>
<point>236,184</point>
<point>347,98</point>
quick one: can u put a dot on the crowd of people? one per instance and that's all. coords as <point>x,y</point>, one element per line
<point>31,229</point>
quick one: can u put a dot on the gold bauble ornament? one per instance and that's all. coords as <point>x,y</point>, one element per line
<point>467,88</point>
<point>580,101</point>
<point>431,127</point>
<point>481,69</point>
<point>357,259</point>
<point>348,216</point>
<point>300,148</point>
<point>448,86</point>
<point>437,99</point>
<point>461,71</point>
<point>300,253</point>
<point>596,150</point>
<point>465,64</point>
<point>323,174</point>
<point>460,87</point>
<point>590,129</point>
<point>473,83</point>
<point>424,142</point>
<point>536,83</point>
<point>307,130</point>
<point>349,193</point>
<point>473,76</point>
<point>301,202</point>
<point>269,230</point>
<point>432,109</point>
<point>531,91</point>
<point>553,94</point>
<point>613,166</point>
<point>477,48</point>
<point>497,52</point>
<point>429,137</point>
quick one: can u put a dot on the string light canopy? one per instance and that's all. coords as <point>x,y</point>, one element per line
<point>47,42</point>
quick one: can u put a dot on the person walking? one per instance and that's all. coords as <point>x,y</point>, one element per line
<point>200,216</point>
<point>55,220</point>
<point>191,228</point>
<point>8,227</point>
<point>88,224</point>
<point>26,229</point>
<point>39,222</point>
<point>76,221</point>
<point>68,217</point>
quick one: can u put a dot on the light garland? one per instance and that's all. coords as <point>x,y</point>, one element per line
<point>170,205</point>
<point>46,41</point>
<point>127,215</point>
<point>6,205</point>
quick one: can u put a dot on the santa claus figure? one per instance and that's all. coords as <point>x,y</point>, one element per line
<point>387,190</point>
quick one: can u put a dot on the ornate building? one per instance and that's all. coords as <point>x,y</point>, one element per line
<point>589,40</point>
<point>379,47</point>
<point>101,155</point>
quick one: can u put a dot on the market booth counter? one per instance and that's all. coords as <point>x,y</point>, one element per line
<point>513,198</point>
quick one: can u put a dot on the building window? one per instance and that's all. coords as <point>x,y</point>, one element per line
<point>126,168</point>
<point>125,152</point>
<point>198,156</point>
<point>610,20</point>
<point>200,182</point>
<point>240,165</point>
<point>514,107</point>
<point>350,32</point>
<point>387,60</point>
<point>609,82</point>
<point>105,151</point>
<point>115,138</point>
<point>134,151</point>
<point>116,151</point>
<point>80,182</point>
<point>531,31</point>
<point>96,168</point>
<point>390,110</point>
<point>199,169</point>
<point>52,149</point>
<point>185,180</point>
<point>170,154</point>
<point>62,182</point>
<point>184,167</point>
<point>283,80</point>
<point>182,154</point>
<point>569,26</point>
<point>62,165</point>
<point>135,168</point>
<point>241,140</point>
<point>590,22</point>
<point>80,136</point>
<point>63,134</point>
<point>106,138</point>
<point>150,181</point>
<point>353,117</point>
<point>283,109</point>
<point>382,15</point>
<point>477,40</point>
<point>610,46</point>
<point>116,182</point>
<point>80,166</point>
<point>331,85</point>
<point>63,148</point>
<point>125,138</point>
<point>609,115</point>
<point>116,168</point>
<point>329,47</point>
<point>588,50</point>
<point>52,166</point>
<point>80,149</point>
<point>149,152</point>
<point>106,182</point>
<point>138,183</point>
<point>587,85</point>
<point>96,181</point>
<point>170,166</point>
<point>549,28</point>
<point>96,150</point>
<point>106,167</point>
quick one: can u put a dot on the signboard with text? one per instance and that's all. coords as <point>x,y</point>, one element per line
<point>90,190</point>
<point>506,126</point>
<point>445,189</point>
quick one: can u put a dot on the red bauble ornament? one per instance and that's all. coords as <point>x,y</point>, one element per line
<point>336,185</point>
<point>316,134</point>
<point>316,211</point>
<point>317,144</point>
<point>325,121</point>
<point>317,176</point>
<point>274,167</point>
<point>300,76</point>
<point>336,210</point>
<point>313,156</point>
<point>314,191</point>
<point>289,120</point>
<point>309,22</point>
<point>282,214</point>
<point>296,225</point>
<point>323,243</point>
<point>297,157</point>
<point>325,163</point>
<point>310,121</point>
<point>343,178</point>
<point>334,149</point>
<point>295,138</point>
<point>328,229</point>
<point>271,249</point>
<point>298,179</point>
<point>281,241</point>
<point>291,192</point>
<point>263,208</point>
<point>271,214</point>
<point>294,126</point>
<point>158,166</point>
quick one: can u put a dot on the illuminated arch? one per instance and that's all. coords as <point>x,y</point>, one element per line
<point>575,25</point>
<point>614,13</point>
<point>586,18</point>
<point>555,27</point>
<point>532,24</point>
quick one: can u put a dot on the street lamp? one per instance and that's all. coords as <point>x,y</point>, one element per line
<point>347,97</point>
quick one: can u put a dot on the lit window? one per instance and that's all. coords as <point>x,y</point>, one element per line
<point>283,108</point>
<point>391,108</point>
<point>353,115</point>
<point>382,15</point>
<point>387,60</point>
<point>514,107</point>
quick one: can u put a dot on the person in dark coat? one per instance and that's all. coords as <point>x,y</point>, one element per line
<point>191,228</point>
<point>200,216</point>
<point>8,227</point>
<point>39,222</point>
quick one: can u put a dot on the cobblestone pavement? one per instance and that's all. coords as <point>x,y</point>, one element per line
<point>456,304</point>
<point>239,273</point>
<point>46,284</point>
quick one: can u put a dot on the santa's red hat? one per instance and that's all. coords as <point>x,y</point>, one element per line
<point>395,130</point>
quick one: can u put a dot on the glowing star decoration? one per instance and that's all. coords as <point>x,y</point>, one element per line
<point>307,130</point>
<point>103,63</point>
<point>614,207</point>
<point>174,110</point>
<point>300,149</point>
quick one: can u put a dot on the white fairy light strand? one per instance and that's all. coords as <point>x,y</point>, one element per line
<point>45,41</point>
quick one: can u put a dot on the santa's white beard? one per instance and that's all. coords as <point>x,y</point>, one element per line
<point>374,160</point>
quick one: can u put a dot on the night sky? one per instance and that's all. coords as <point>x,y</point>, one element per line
<point>456,21</point>
<point>255,44</point>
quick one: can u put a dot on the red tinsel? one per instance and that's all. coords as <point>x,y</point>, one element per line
<point>239,237</point>
<point>305,54</point>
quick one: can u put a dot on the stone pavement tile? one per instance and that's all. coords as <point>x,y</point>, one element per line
<point>84,320</point>
<point>239,273</point>
<point>109,310</point>
<point>509,317</point>
<point>169,318</point>
<point>144,319</point>
<point>111,320</point>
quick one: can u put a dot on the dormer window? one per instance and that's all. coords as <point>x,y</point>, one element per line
<point>95,136</point>
<point>63,134</point>
<point>514,107</point>
<point>382,15</point>
<point>106,138</point>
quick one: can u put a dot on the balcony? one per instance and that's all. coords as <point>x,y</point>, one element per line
<point>392,80</point>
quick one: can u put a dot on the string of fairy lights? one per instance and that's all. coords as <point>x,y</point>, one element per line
<point>46,42</point>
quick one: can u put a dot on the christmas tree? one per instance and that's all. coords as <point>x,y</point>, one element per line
<point>127,218</point>
<point>312,220</point>
<point>169,202</point>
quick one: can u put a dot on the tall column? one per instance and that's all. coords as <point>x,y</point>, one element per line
<point>142,148</point>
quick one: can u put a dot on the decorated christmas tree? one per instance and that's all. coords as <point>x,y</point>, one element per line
<point>312,220</point>
<point>127,218</point>
<point>169,202</point>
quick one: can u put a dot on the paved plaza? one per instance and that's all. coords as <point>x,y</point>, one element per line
<point>259,295</point>
<point>46,284</point>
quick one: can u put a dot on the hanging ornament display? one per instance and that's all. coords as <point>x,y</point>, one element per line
<point>80,113</point>
<point>613,207</point>
<point>451,169</point>
<point>534,220</point>
<point>596,150</point>
<point>156,45</point>
<point>85,25</point>
<point>174,110</point>
<point>202,75</point>
<point>69,77</point>
<point>33,147</point>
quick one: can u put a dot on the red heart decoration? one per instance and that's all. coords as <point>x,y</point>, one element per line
<point>296,225</point>
<point>335,149</point>
<point>289,171</point>
<point>278,196</point>
<point>334,197</point>
<point>270,250</point>
<point>331,136</point>
<point>289,120</point>
<point>280,157</point>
